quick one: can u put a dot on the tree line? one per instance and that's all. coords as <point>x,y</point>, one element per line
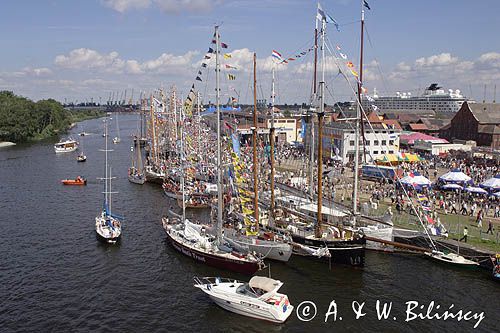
<point>23,120</point>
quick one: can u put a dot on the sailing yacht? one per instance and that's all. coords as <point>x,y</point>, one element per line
<point>108,226</point>
<point>117,139</point>
<point>135,172</point>
<point>345,244</point>
<point>268,245</point>
<point>194,240</point>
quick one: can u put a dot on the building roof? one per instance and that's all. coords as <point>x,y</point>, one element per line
<point>412,137</point>
<point>417,127</point>
<point>373,117</point>
<point>485,113</point>
<point>488,128</point>
<point>435,124</point>
<point>406,118</point>
<point>394,123</point>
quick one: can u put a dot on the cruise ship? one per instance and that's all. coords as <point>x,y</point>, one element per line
<point>434,99</point>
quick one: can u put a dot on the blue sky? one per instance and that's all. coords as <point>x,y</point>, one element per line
<point>82,49</point>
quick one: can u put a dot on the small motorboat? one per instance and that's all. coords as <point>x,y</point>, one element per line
<point>116,140</point>
<point>81,158</point>
<point>452,259</point>
<point>259,298</point>
<point>78,181</point>
<point>66,146</point>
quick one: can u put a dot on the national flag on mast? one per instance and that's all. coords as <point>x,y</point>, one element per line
<point>365,3</point>
<point>276,55</point>
<point>322,15</point>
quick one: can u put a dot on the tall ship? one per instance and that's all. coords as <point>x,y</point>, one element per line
<point>434,98</point>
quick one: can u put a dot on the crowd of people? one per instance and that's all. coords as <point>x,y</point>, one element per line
<point>429,202</point>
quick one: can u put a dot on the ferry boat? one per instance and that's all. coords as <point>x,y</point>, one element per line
<point>67,146</point>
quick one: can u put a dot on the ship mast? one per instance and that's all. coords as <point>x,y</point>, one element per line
<point>254,139</point>
<point>181,162</point>
<point>317,230</point>
<point>311,162</point>
<point>271,142</point>
<point>219,156</point>
<point>359,121</point>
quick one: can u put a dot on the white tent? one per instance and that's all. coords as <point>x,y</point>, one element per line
<point>415,180</point>
<point>492,184</point>
<point>455,176</point>
<point>452,187</point>
<point>478,190</point>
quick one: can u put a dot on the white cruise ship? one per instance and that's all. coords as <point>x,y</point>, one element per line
<point>434,99</point>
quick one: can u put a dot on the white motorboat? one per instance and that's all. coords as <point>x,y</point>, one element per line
<point>259,298</point>
<point>66,146</point>
<point>116,140</point>
<point>452,258</point>
<point>81,158</point>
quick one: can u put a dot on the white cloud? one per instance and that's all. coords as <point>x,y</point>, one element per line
<point>84,58</point>
<point>443,59</point>
<point>178,6</point>
<point>124,5</point>
<point>167,6</point>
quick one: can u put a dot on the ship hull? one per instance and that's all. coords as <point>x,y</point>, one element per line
<point>247,268</point>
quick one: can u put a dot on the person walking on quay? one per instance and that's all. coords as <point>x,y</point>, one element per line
<point>464,238</point>
<point>479,219</point>
<point>453,207</point>
<point>463,211</point>
<point>497,211</point>
<point>490,227</point>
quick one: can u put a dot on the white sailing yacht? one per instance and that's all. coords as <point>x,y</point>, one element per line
<point>117,139</point>
<point>108,226</point>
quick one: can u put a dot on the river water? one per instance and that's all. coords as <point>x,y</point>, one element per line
<point>56,277</point>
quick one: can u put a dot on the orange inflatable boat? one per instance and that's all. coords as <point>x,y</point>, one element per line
<point>78,181</point>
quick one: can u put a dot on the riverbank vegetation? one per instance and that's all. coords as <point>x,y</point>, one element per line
<point>23,120</point>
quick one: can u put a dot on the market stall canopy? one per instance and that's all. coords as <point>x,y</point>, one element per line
<point>415,179</point>
<point>394,159</point>
<point>455,176</point>
<point>492,184</point>
<point>452,187</point>
<point>478,190</point>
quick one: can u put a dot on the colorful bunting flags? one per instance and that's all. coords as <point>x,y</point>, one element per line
<point>230,67</point>
<point>231,77</point>
<point>276,55</point>
<point>227,56</point>
<point>223,45</point>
